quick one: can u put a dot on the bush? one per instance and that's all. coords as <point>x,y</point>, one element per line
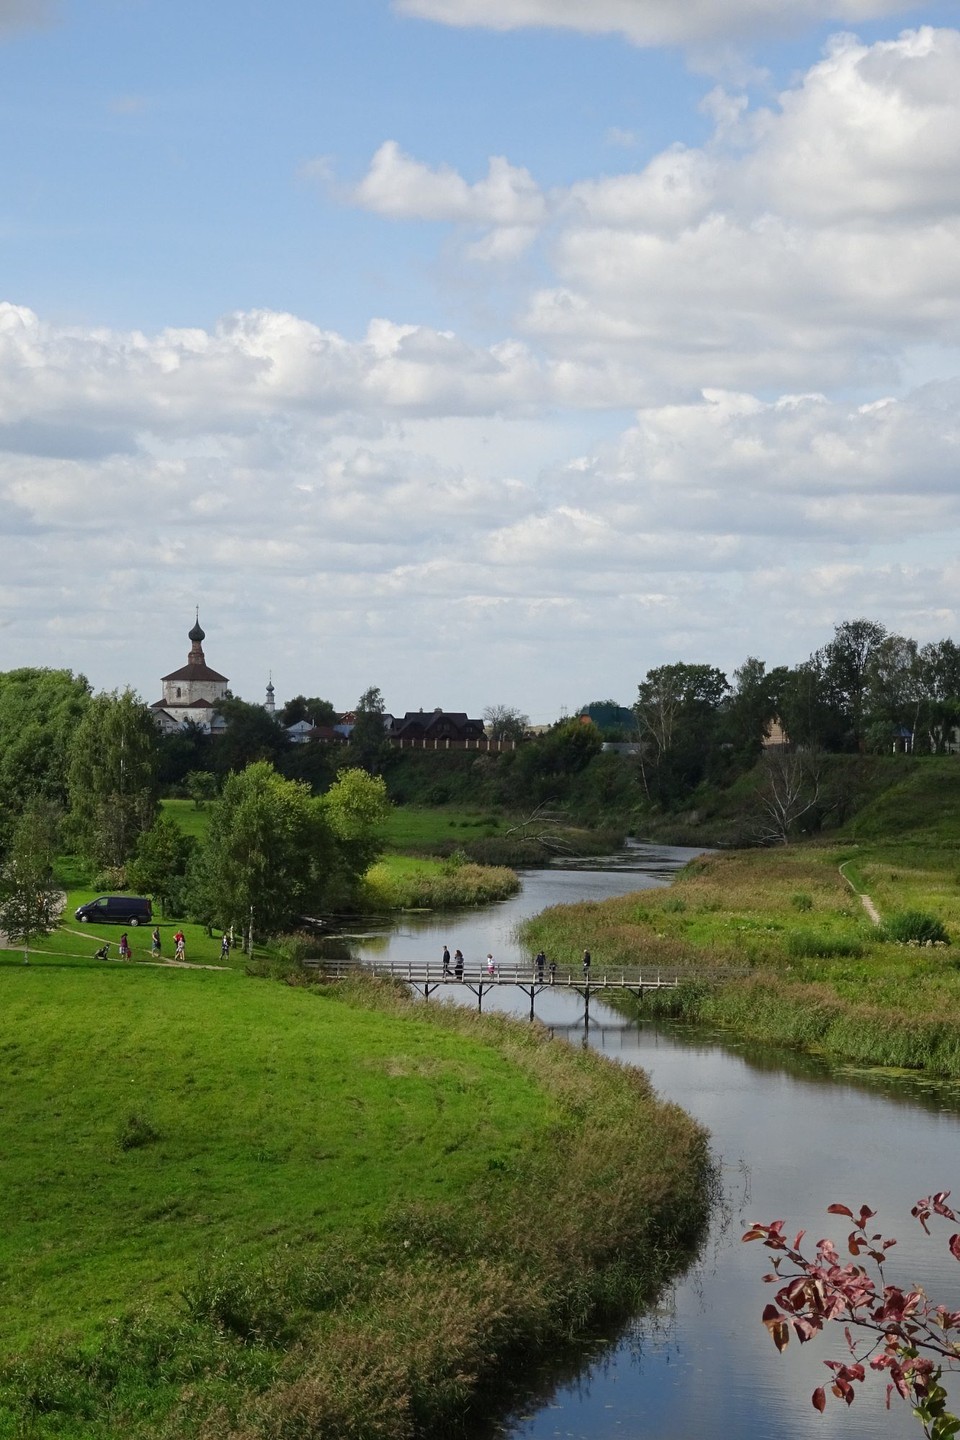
<point>814,944</point>
<point>110,880</point>
<point>801,901</point>
<point>913,927</point>
<point>136,1132</point>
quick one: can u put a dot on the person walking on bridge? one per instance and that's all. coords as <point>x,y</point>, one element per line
<point>540,962</point>
<point>458,964</point>
<point>491,965</point>
<point>586,964</point>
<point>446,960</point>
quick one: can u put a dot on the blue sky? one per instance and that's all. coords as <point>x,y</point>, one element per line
<point>489,365</point>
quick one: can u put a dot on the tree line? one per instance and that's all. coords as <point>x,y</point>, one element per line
<point>84,773</point>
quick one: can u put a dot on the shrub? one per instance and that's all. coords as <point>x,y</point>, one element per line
<point>801,901</point>
<point>111,879</point>
<point>913,927</point>
<point>137,1131</point>
<point>814,944</point>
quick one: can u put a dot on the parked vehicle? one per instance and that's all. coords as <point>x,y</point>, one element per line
<point>116,909</point>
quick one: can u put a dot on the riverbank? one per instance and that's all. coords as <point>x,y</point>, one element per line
<point>287,1212</point>
<point>777,946</point>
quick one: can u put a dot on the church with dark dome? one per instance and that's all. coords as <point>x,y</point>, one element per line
<point>191,694</point>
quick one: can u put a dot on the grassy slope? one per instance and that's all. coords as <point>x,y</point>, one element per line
<point>291,1127</point>
<point>271,1106</point>
<point>817,972</point>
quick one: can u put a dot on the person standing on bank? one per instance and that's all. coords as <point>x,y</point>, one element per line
<point>586,964</point>
<point>124,947</point>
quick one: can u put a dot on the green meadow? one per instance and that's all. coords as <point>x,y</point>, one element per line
<point>223,1197</point>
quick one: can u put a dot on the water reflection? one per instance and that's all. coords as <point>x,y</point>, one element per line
<point>792,1135</point>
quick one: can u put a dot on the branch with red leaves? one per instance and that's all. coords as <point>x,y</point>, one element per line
<point>896,1332</point>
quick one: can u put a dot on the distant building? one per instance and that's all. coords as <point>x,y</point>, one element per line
<point>268,704</point>
<point>435,725</point>
<point>191,694</point>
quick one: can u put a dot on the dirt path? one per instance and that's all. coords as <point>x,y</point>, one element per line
<point>865,900</point>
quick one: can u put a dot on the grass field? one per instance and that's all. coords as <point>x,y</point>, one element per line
<point>231,1198</point>
<point>814,970</point>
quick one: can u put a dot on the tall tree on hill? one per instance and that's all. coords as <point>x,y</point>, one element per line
<point>750,708</point>
<point>369,746</point>
<point>112,778</point>
<point>678,717</point>
<point>504,722</point>
<point>39,714</point>
<point>845,663</point>
<point>30,899</point>
<point>311,708</point>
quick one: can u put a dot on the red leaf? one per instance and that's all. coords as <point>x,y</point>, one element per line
<point>839,1210</point>
<point>777,1325</point>
<point>819,1399</point>
<point>955,1246</point>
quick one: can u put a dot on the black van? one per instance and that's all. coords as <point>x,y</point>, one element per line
<point>124,909</point>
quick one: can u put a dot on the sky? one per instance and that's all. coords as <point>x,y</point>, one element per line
<point>485,351</point>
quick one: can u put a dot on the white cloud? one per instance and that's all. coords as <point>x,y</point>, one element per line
<point>651,22</point>
<point>338,475</point>
<point>403,188</point>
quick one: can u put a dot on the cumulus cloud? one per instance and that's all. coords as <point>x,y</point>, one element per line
<point>651,22</point>
<point>135,469</point>
<point>403,188</point>
<point>809,243</point>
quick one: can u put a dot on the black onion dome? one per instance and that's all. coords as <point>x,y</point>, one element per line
<point>197,635</point>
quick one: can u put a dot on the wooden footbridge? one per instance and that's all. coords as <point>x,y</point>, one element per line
<point>428,978</point>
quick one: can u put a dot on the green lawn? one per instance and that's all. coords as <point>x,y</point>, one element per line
<point>412,828</point>
<point>282,1118</point>
<point>236,1207</point>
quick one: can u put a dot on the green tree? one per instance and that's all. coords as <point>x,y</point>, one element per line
<point>750,708</point>
<point>112,778</point>
<point>678,716</point>
<point>39,714</point>
<point>266,857</point>
<point>251,734</point>
<point>309,707</point>
<point>160,861</point>
<point>369,746</point>
<point>30,900</point>
<point>845,666</point>
<point>504,722</point>
<point>356,808</point>
<point>201,786</point>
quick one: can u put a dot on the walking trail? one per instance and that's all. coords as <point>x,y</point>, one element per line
<point>865,900</point>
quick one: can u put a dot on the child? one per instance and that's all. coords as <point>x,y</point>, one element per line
<point>180,942</point>
<point>124,947</point>
<point>225,947</point>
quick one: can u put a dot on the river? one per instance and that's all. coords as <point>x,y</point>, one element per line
<point>792,1136</point>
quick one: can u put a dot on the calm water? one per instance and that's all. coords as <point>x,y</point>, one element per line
<point>791,1136</point>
